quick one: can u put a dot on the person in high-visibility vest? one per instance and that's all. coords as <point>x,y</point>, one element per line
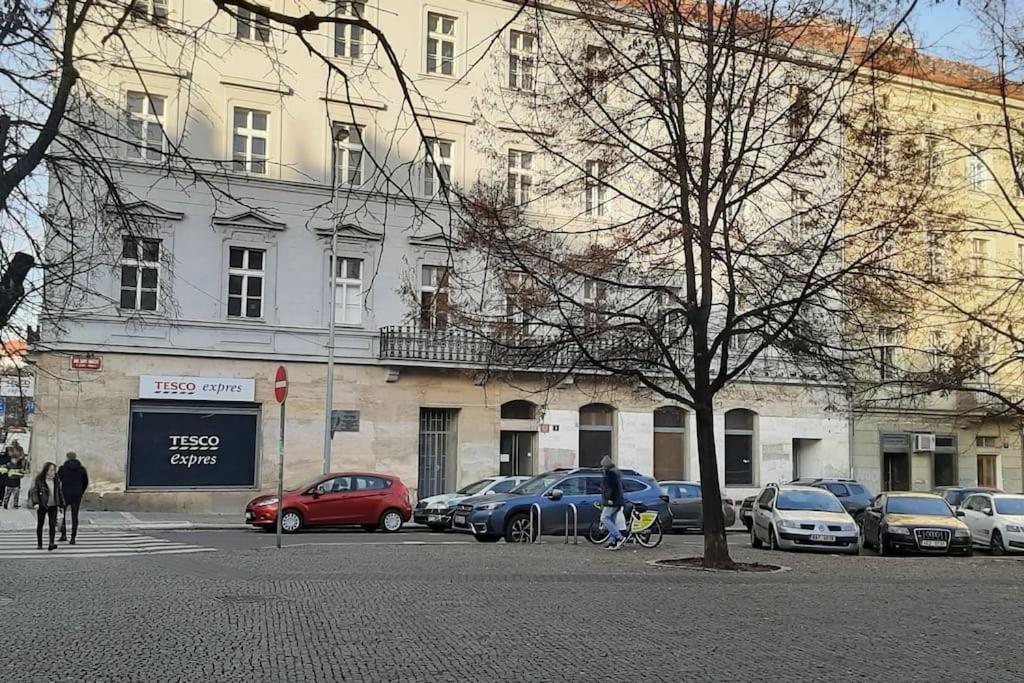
<point>17,467</point>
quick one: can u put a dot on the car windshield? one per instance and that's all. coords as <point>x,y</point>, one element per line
<point>537,485</point>
<point>475,487</point>
<point>808,500</point>
<point>1010,506</point>
<point>917,506</point>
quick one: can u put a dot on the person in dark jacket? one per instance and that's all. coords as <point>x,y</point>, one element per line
<point>47,497</point>
<point>5,457</point>
<point>613,502</point>
<point>17,467</point>
<point>74,480</point>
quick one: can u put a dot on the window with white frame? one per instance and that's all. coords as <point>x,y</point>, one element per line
<point>249,141</point>
<point>933,158</point>
<point>518,299</point>
<point>933,252</point>
<point>441,43</point>
<point>1017,176</point>
<point>140,273</point>
<point>522,60</point>
<point>348,38</point>
<point>886,352</point>
<point>593,300</point>
<point>246,275</point>
<point>520,176</point>
<point>1020,259</point>
<point>348,292</point>
<point>596,75</point>
<point>798,210</point>
<point>597,189</point>
<point>983,359</point>
<point>979,255</point>
<point>348,154</point>
<point>145,130</point>
<point>251,26</point>
<point>437,171</point>
<point>977,171</point>
<point>434,306</point>
<point>936,348</point>
<point>153,11</point>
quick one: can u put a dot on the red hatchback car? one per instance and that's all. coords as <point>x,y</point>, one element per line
<point>373,501</point>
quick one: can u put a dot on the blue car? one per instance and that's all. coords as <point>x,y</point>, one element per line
<point>507,515</point>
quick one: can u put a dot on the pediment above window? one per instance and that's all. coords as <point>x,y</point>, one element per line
<point>352,232</point>
<point>436,240</point>
<point>249,219</point>
<point>146,209</point>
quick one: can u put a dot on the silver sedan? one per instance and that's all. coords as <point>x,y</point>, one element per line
<point>686,501</point>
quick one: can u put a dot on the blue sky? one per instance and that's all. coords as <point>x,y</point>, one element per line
<point>947,29</point>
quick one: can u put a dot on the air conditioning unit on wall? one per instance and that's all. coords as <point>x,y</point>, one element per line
<point>924,443</point>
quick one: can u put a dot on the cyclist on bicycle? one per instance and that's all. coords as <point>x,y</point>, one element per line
<point>611,494</point>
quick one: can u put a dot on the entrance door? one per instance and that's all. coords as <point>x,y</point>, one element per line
<point>517,453</point>
<point>987,470</point>
<point>437,433</point>
<point>896,472</point>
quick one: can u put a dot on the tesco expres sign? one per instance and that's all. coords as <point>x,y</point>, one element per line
<point>197,388</point>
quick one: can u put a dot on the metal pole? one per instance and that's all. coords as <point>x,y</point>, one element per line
<point>329,394</point>
<point>280,476</point>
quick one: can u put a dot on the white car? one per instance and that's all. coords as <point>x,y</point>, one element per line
<point>436,511</point>
<point>794,517</point>
<point>996,521</point>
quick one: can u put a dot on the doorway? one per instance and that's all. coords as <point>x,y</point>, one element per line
<point>596,430</point>
<point>517,454</point>
<point>896,472</point>
<point>436,450</point>
<point>987,470</point>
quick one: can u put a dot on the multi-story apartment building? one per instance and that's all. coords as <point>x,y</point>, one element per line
<point>161,378</point>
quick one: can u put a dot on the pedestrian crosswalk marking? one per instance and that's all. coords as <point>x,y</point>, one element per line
<point>21,545</point>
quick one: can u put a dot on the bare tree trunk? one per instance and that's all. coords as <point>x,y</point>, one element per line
<point>716,547</point>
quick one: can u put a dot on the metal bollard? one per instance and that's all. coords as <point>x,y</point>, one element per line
<point>575,523</point>
<point>540,528</point>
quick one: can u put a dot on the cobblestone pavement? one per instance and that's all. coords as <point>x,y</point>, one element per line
<point>385,610</point>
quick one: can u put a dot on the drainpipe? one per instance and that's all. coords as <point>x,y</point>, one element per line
<point>851,429</point>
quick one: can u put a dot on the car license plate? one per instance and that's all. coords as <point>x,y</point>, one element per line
<point>933,544</point>
<point>460,519</point>
<point>248,516</point>
<point>822,538</point>
<point>433,518</point>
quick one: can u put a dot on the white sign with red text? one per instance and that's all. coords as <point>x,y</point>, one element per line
<point>176,387</point>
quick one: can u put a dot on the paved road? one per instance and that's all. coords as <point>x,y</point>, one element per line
<point>370,607</point>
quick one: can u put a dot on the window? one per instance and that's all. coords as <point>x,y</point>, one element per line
<point>250,26</point>
<point>839,490</point>
<point>437,172</point>
<point>986,442</point>
<point>977,170</point>
<point>593,300</point>
<point>518,299</point>
<point>799,112</point>
<point>739,448</point>
<point>1020,258</point>
<point>933,252</point>
<point>596,76</point>
<point>933,159</point>
<point>684,491</point>
<point>987,470</point>
<point>348,293</point>
<point>434,298</point>
<point>140,273</point>
<point>633,486</point>
<point>573,486</point>
<point>249,141</point>
<point>520,176</point>
<point>596,188</point>
<point>798,216</point>
<point>1017,176</point>
<point>153,11</point>
<point>669,443</point>
<point>596,430</point>
<point>518,410</point>
<point>335,485</point>
<point>522,61</point>
<point>979,255</point>
<point>972,503</point>
<point>936,348</point>
<point>362,483</point>
<point>245,282</point>
<point>440,44</point>
<point>886,351</point>
<point>504,486</point>
<point>348,39</point>
<point>145,132</point>
<point>348,154</point>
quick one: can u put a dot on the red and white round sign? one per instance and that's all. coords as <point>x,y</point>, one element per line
<point>280,384</point>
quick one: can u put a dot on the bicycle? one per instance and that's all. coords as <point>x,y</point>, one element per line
<point>643,528</point>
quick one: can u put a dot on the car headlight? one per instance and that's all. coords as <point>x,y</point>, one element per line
<point>1014,529</point>
<point>489,506</point>
<point>789,524</point>
<point>963,533</point>
<point>267,501</point>
<point>850,527</point>
<point>899,530</point>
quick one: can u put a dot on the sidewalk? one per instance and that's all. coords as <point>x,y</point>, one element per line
<point>24,519</point>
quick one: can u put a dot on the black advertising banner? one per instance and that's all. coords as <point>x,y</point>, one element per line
<point>192,449</point>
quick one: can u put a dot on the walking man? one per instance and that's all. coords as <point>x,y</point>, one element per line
<point>611,494</point>
<point>74,480</point>
<point>16,468</point>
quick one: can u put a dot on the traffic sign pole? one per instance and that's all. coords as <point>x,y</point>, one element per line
<point>281,396</point>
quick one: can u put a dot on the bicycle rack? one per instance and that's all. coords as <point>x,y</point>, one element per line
<point>575,523</point>
<point>540,529</point>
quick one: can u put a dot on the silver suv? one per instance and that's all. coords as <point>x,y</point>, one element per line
<point>793,517</point>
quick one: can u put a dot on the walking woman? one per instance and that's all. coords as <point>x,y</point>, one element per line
<point>47,496</point>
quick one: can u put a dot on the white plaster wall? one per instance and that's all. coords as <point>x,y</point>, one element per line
<point>559,448</point>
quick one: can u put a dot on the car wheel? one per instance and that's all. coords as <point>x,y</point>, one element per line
<point>518,530</point>
<point>773,540</point>
<point>291,521</point>
<point>755,542</point>
<point>862,538</point>
<point>487,538</point>
<point>995,546</point>
<point>391,521</point>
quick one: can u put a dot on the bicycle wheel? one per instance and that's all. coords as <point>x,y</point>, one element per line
<point>651,536</point>
<point>597,534</point>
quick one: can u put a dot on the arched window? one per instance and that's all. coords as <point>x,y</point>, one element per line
<point>739,447</point>
<point>669,443</point>
<point>596,427</point>
<point>518,410</point>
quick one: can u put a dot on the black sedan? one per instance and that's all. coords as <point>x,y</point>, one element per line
<point>914,522</point>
